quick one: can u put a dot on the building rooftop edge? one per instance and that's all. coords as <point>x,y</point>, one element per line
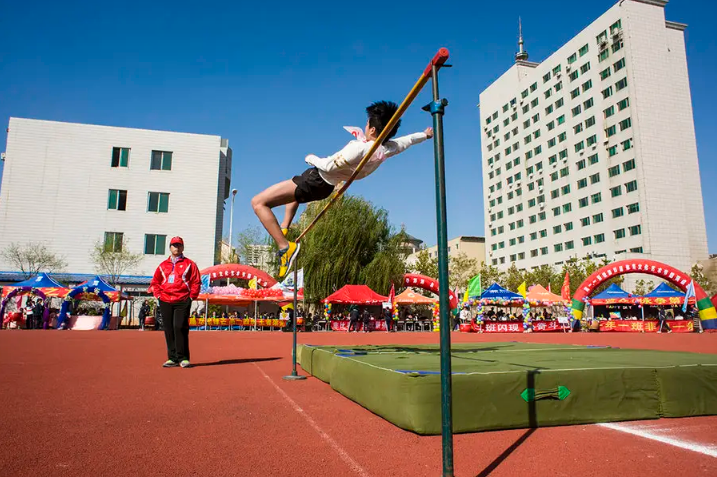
<point>657,3</point>
<point>675,25</point>
<point>116,127</point>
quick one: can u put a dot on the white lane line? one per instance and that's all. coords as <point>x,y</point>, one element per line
<point>332,443</point>
<point>705,449</point>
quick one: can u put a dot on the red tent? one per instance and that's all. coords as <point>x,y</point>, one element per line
<point>357,295</point>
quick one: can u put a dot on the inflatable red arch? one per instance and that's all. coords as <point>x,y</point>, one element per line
<point>242,272</point>
<point>707,311</point>
<point>430,284</point>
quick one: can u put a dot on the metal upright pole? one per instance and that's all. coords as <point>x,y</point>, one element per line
<point>294,376</point>
<point>436,108</point>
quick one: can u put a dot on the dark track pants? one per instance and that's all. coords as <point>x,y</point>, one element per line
<point>175,318</point>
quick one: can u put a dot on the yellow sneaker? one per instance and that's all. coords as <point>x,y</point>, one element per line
<point>284,231</point>
<point>287,258</point>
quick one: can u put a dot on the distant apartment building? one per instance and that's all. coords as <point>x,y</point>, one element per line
<point>70,186</point>
<point>472,247</point>
<point>592,151</point>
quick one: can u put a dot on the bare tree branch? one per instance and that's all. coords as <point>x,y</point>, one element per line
<point>33,258</point>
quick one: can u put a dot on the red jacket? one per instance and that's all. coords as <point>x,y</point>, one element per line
<point>185,284</point>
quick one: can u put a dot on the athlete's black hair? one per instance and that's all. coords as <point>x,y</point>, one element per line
<point>380,113</point>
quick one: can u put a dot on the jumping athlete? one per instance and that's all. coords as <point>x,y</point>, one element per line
<point>320,180</point>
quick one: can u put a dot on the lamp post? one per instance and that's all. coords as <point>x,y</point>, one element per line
<point>231,223</point>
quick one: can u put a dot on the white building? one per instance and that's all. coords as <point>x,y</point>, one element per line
<point>260,256</point>
<point>470,246</point>
<point>593,150</point>
<point>70,186</point>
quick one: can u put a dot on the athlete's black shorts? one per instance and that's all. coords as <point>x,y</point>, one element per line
<point>311,187</point>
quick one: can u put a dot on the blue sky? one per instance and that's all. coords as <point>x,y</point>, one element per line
<point>280,79</point>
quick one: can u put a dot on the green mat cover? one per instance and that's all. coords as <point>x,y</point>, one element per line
<point>517,385</point>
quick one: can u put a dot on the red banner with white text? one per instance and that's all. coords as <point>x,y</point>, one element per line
<point>634,326</point>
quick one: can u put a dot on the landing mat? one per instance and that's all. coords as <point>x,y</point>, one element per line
<point>517,385</point>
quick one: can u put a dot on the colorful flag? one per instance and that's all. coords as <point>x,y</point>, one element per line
<point>689,293</point>
<point>522,289</point>
<point>565,290</point>
<point>252,283</point>
<point>474,289</point>
<point>392,294</point>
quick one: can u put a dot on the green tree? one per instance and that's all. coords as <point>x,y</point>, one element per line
<point>513,278</point>
<point>643,287</point>
<point>33,258</point>
<point>698,275</point>
<point>544,276</point>
<point>460,270</point>
<point>352,244</point>
<point>425,265</point>
<point>490,275</point>
<point>581,268</point>
<point>112,261</point>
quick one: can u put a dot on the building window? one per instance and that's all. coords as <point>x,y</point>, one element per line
<point>604,55</point>
<point>616,191</point>
<point>556,70</point>
<point>617,66</point>
<point>584,202</point>
<point>154,244</point>
<point>543,233</point>
<point>577,110</point>
<point>534,253</point>
<point>593,159</point>
<point>587,85</point>
<point>574,75</point>
<point>623,104</point>
<point>534,103</point>
<point>633,208</point>
<point>158,202</point>
<point>572,58</point>
<point>579,146</point>
<point>612,151</point>
<point>611,131</point>
<point>584,50</point>
<point>626,144</point>
<point>555,194</point>
<point>619,233</point>
<point>581,164</point>
<point>617,46</point>
<point>597,218</point>
<point>636,250</point>
<point>592,140</point>
<point>120,157</point>
<point>161,160</point>
<point>551,125</point>
<point>625,123</point>
<point>609,111</point>
<point>544,251</point>
<point>619,212</point>
<point>585,221</point>
<point>561,119</point>
<point>613,171</point>
<point>595,178</point>
<point>549,109</point>
<point>568,226</point>
<point>117,200</point>
<point>533,87</point>
<point>575,93</point>
<point>622,84</point>
<point>605,74</point>
<point>557,229</point>
<point>636,230</point>
<point>578,129</point>
<point>113,241</point>
<point>600,238</point>
<point>607,92</point>
<point>559,104</point>
<point>582,183</point>
<point>556,211</point>
<point>569,245</point>
<point>590,121</point>
<point>588,104</point>
<point>558,247</point>
<point>631,186</point>
<point>587,241</point>
<point>562,136</point>
<point>564,172</point>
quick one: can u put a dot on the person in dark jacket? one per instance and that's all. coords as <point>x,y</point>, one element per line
<point>37,311</point>
<point>353,319</point>
<point>175,283</point>
<point>388,316</point>
<point>366,316</point>
<point>143,312</point>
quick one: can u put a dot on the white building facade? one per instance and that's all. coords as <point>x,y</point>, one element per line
<point>70,186</point>
<point>593,150</point>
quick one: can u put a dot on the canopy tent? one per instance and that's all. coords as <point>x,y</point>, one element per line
<point>497,295</point>
<point>90,287</point>
<point>43,282</point>
<point>613,295</point>
<point>356,294</point>
<point>539,296</point>
<point>410,297</point>
<point>664,295</point>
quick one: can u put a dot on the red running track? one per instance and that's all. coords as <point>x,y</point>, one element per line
<point>98,403</point>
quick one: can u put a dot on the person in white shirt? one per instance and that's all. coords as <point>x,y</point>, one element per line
<point>320,180</point>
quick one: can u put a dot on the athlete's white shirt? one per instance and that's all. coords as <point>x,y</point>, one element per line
<point>341,165</point>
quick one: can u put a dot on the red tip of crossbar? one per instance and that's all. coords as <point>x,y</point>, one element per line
<point>438,60</point>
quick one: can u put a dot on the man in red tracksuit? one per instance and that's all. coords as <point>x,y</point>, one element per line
<point>175,284</point>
